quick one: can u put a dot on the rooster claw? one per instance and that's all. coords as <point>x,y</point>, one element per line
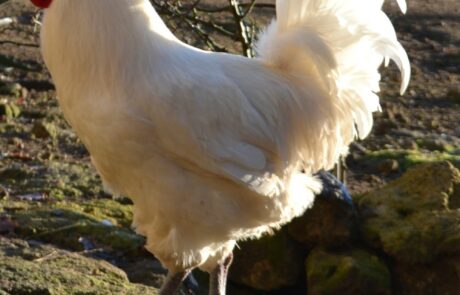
<point>191,285</point>
<point>334,187</point>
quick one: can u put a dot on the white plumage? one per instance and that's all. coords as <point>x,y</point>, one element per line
<point>210,146</point>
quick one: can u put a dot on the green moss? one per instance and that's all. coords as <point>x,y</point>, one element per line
<point>55,179</point>
<point>9,109</point>
<point>415,218</point>
<point>355,272</point>
<point>425,236</point>
<point>53,271</point>
<point>63,223</point>
<point>409,158</point>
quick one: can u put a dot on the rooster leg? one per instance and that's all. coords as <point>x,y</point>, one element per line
<point>173,282</point>
<point>218,277</point>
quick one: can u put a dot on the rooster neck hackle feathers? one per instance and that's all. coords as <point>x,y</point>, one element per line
<point>105,35</point>
<point>208,145</point>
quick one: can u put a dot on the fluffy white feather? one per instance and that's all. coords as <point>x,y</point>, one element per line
<point>208,145</point>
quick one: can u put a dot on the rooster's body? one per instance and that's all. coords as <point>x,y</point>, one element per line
<point>214,148</point>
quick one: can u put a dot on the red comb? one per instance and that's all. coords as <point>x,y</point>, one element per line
<point>42,3</point>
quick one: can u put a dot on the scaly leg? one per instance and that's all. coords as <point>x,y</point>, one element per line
<point>173,282</point>
<point>218,277</point>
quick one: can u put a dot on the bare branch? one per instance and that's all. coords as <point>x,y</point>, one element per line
<point>244,32</point>
<point>206,24</point>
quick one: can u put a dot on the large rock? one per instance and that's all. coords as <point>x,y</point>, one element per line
<point>278,261</point>
<point>330,223</point>
<point>33,268</point>
<point>146,271</point>
<point>415,219</point>
<point>269,263</point>
<point>439,277</point>
<point>101,223</point>
<point>353,272</point>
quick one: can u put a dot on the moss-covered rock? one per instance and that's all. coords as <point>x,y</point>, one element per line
<point>415,219</point>
<point>269,263</point>
<point>104,222</point>
<point>439,277</point>
<point>58,180</point>
<point>354,272</point>
<point>43,130</point>
<point>33,268</point>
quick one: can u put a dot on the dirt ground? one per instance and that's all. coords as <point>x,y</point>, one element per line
<point>41,156</point>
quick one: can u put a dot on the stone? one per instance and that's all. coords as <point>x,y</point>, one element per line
<point>43,130</point>
<point>416,218</point>
<point>9,109</point>
<point>440,277</point>
<point>65,223</point>
<point>147,271</point>
<point>351,272</point>
<point>388,166</point>
<point>34,268</point>
<point>384,126</point>
<point>330,223</point>
<point>433,144</point>
<point>269,263</point>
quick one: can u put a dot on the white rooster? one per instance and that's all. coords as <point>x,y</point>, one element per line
<point>214,148</point>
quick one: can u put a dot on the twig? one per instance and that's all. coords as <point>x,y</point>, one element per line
<point>18,43</point>
<point>245,36</point>
<point>200,20</point>
<point>228,8</point>
<point>49,256</point>
<point>206,38</point>
<point>193,21</point>
<point>249,9</point>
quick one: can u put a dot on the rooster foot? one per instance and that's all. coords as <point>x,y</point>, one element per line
<point>173,282</point>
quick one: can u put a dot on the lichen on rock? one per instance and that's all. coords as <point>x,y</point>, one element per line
<point>347,272</point>
<point>34,268</point>
<point>416,218</point>
<point>104,222</point>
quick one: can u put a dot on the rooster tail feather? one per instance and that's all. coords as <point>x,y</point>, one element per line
<point>342,43</point>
